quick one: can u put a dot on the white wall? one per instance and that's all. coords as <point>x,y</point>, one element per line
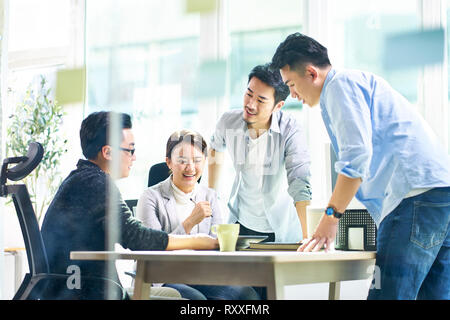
<point>350,290</point>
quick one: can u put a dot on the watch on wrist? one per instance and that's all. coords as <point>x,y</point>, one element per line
<point>330,211</point>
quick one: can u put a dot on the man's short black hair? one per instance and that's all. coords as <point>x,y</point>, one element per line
<point>297,50</point>
<point>94,131</point>
<point>271,78</point>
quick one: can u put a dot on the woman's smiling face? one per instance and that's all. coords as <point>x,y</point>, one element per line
<point>186,163</point>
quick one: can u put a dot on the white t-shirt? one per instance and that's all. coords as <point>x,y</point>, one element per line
<point>252,213</point>
<point>416,192</point>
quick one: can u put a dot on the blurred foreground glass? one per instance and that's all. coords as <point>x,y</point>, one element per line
<point>448,65</point>
<point>359,32</point>
<point>256,30</point>
<point>38,24</point>
<point>142,58</point>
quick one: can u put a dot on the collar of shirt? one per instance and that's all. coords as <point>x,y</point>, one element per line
<point>167,188</point>
<point>181,196</point>
<point>274,126</point>
<point>330,76</point>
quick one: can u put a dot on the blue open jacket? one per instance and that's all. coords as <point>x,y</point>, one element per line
<point>286,175</point>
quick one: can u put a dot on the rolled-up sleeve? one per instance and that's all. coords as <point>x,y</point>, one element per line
<point>297,162</point>
<point>349,110</point>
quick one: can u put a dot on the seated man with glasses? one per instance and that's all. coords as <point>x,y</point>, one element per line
<point>78,217</point>
<point>131,151</point>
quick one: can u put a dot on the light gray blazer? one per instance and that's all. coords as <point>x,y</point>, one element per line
<point>156,209</point>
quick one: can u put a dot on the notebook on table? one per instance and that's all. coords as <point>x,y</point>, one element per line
<point>274,246</point>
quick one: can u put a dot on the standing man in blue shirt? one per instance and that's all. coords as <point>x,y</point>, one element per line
<point>267,146</point>
<point>389,159</point>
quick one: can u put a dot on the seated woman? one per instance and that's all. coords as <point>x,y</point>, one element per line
<point>179,205</point>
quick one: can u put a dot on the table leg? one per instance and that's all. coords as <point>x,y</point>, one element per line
<point>275,290</point>
<point>334,292</point>
<point>141,289</point>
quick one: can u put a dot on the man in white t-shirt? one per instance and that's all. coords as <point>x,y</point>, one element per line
<point>268,148</point>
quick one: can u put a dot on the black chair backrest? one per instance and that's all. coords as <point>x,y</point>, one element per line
<point>158,172</point>
<point>131,203</point>
<point>24,165</point>
<point>34,244</point>
<point>36,254</point>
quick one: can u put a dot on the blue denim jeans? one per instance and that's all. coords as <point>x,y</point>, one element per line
<point>200,292</point>
<point>413,249</point>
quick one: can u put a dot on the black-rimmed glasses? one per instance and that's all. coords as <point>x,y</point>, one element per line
<point>131,151</point>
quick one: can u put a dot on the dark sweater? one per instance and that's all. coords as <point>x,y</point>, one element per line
<point>76,220</point>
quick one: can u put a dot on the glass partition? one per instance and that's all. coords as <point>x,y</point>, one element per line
<point>448,65</point>
<point>141,59</point>
<point>359,31</point>
<point>140,62</point>
<point>144,58</point>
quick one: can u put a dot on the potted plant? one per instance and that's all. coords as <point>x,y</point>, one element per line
<point>38,118</point>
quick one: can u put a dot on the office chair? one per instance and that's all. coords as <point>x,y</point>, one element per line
<point>39,283</point>
<point>131,203</point>
<point>157,173</point>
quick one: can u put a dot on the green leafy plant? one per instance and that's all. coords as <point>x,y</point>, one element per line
<point>38,118</point>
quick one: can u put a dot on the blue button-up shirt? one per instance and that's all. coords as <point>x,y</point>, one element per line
<point>286,157</point>
<point>379,137</point>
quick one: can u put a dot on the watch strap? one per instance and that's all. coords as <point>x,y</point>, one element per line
<point>332,211</point>
<point>337,215</point>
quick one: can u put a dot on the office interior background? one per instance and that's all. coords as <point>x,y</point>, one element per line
<point>171,68</point>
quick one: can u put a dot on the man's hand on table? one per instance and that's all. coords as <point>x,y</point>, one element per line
<point>204,242</point>
<point>324,235</point>
<point>199,241</point>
